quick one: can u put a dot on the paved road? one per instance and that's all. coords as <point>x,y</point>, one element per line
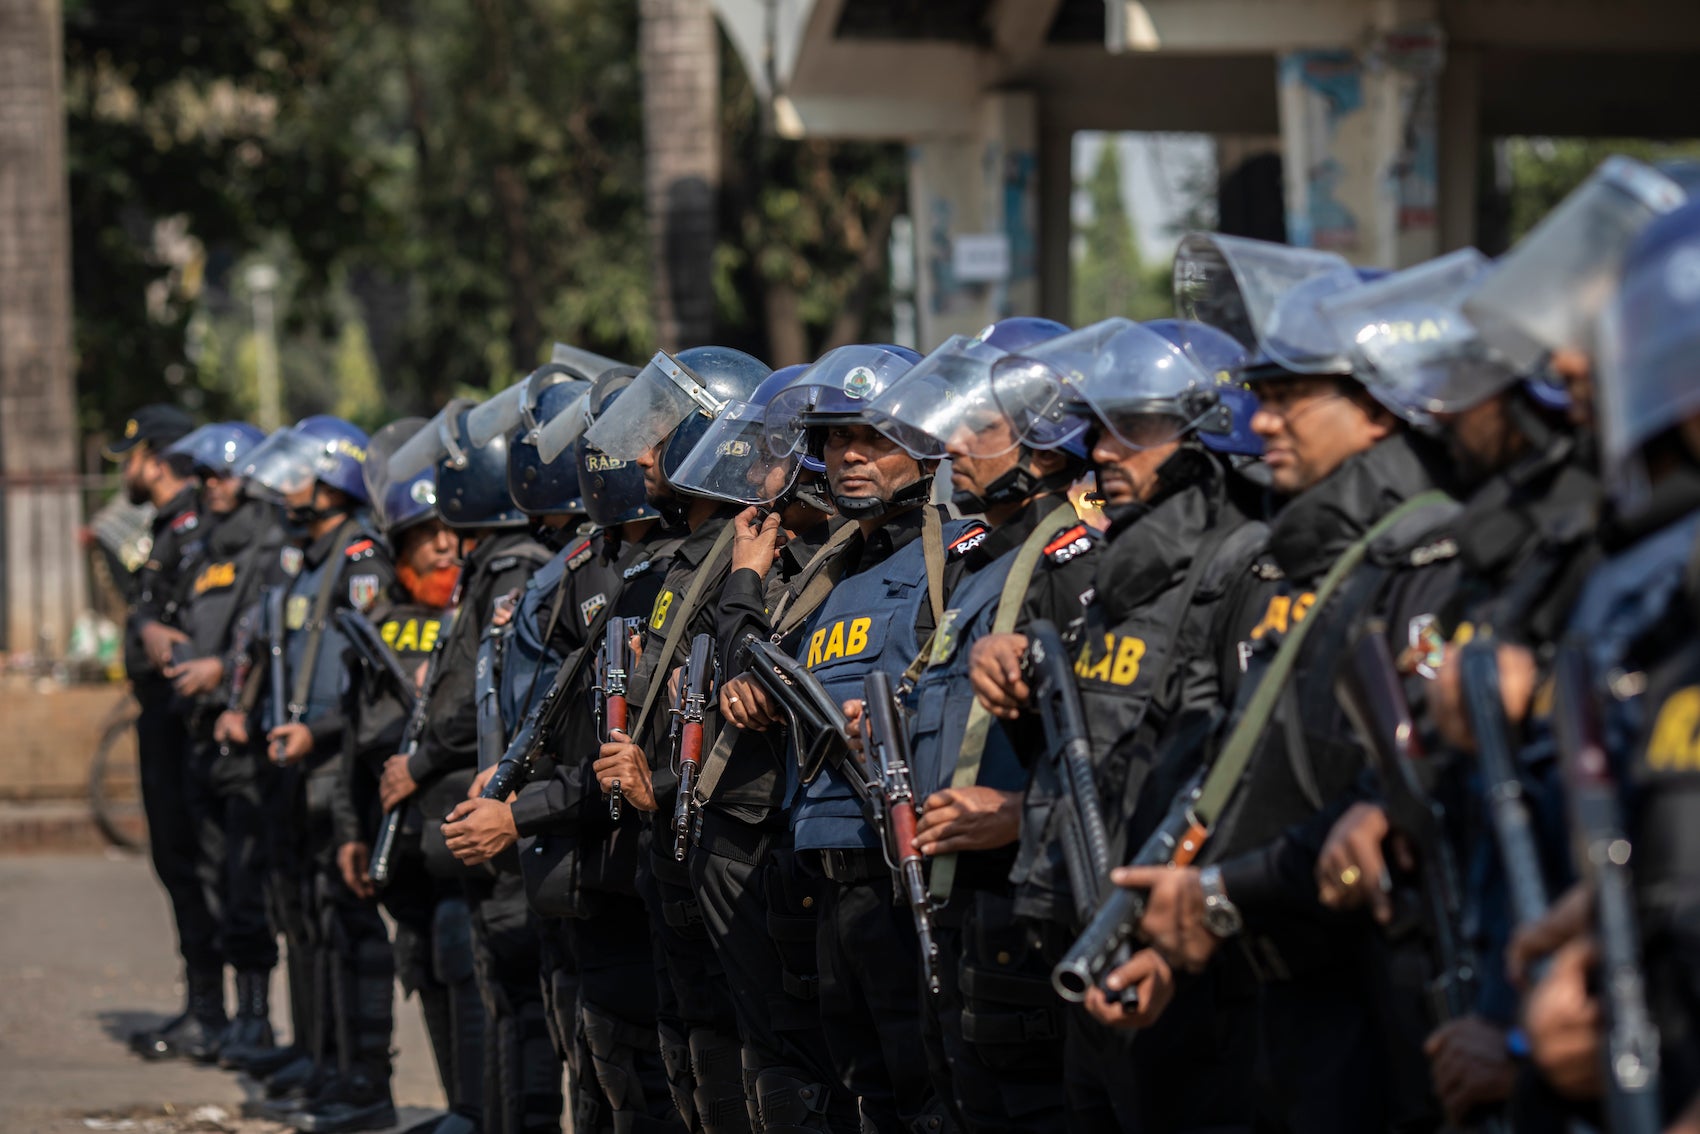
<point>86,954</point>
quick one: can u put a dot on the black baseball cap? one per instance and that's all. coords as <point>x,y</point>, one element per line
<point>158,424</point>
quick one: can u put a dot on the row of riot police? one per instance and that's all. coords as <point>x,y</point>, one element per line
<point>1334,772</point>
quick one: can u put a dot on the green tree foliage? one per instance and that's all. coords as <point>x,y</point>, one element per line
<point>1110,277</point>
<point>445,186</point>
<point>1543,170</point>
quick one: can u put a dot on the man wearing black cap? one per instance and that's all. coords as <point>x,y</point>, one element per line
<point>150,477</point>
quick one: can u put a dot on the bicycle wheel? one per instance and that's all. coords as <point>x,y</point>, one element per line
<point>115,783</point>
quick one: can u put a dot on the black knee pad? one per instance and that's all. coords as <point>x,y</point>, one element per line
<point>717,1066</point>
<point>791,1102</point>
<point>676,1061</point>
<point>614,1044</point>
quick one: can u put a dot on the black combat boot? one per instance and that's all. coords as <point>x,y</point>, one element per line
<point>197,1033</point>
<point>249,1042</point>
<point>357,1102</point>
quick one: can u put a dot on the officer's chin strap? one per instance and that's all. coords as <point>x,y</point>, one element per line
<point>873,507</point>
<point>1017,485</point>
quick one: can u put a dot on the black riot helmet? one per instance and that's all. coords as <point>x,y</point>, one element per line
<point>472,480</point>
<point>612,489</point>
<point>539,487</point>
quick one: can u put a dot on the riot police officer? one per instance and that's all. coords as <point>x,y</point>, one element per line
<point>150,477</point>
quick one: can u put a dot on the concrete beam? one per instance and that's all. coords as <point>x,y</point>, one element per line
<point>1019,27</point>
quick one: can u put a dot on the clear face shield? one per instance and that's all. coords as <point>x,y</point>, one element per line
<point>379,451</point>
<point>1235,284</point>
<point>1418,352</point>
<point>734,461</point>
<point>1138,384</point>
<point>659,399</point>
<point>947,399</point>
<point>1648,374</point>
<point>558,434</point>
<point>496,416</point>
<point>843,384</point>
<point>584,361</point>
<point>283,465</point>
<point>1547,293</point>
<point>437,441</point>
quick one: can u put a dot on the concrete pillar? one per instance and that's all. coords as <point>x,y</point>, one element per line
<point>1360,131</point>
<point>975,202</point>
<point>42,580</point>
<point>680,48</point>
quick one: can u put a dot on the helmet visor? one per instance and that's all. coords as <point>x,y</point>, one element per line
<point>734,462</point>
<point>283,464</point>
<point>496,416</point>
<point>435,441</point>
<point>839,388</point>
<point>1548,291</point>
<point>1649,370</point>
<point>1133,380</point>
<point>947,398</point>
<point>586,362</point>
<point>216,448</point>
<point>1234,284</point>
<point>558,434</point>
<point>379,450</point>
<point>1299,338</point>
<point>657,402</point>
<point>1419,354</point>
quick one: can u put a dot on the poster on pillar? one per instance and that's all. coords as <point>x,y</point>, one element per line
<point>1359,137</point>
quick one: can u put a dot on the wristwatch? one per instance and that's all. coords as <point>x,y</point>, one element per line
<point>1221,916</point>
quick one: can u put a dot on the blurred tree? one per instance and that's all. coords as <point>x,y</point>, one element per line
<point>1110,278</point>
<point>1542,171</point>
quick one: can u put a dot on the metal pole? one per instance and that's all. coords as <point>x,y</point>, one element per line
<point>262,286</point>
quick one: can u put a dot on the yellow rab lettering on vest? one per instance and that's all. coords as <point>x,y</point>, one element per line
<point>840,640</point>
<point>1675,747</point>
<point>1284,611</point>
<point>663,603</point>
<point>215,576</point>
<point>412,636</point>
<point>1119,664</point>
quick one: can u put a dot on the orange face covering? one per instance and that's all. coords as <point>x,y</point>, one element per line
<point>434,588</point>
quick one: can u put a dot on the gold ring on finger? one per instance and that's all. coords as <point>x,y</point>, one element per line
<point>1350,876</point>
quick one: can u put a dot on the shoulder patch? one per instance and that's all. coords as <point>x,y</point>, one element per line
<point>363,591</point>
<point>187,522</point>
<point>636,569</point>
<point>592,606</point>
<point>580,555</point>
<point>1268,571</point>
<point>361,549</point>
<point>1435,552</point>
<point>969,540</point>
<point>1071,544</point>
<point>503,563</point>
<point>290,559</point>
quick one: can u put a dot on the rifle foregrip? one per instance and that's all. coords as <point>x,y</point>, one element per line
<point>504,782</point>
<point>682,808</point>
<point>1095,950</point>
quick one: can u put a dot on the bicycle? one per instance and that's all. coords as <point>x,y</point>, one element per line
<point>115,780</point>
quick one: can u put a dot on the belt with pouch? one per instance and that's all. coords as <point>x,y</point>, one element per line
<point>850,866</point>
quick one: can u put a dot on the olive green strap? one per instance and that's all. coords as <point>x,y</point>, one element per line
<point>942,877</point>
<point>816,581</point>
<point>710,568</point>
<point>1230,765</point>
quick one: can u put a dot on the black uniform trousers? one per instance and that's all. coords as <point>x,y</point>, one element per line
<point>173,802</point>
<point>433,957</point>
<point>618,1007</point>
<point>870,979</point>
<point>289,902</point>
<point>522,1076</point>
<point>233,852</point>
<point>585,1105</point>
<point>758,902</point>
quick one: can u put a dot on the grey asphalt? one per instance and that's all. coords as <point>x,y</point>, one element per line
<point>86,957</point>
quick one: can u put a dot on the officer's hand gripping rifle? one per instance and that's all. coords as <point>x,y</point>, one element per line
<point>613,666</point>
<point>696,686</point>
<point>411,737</point>
<point>1603,852</point>
<point>886,746</point>
<point>1370,690</point>
<point>282,711</point>
<point>817,721</point>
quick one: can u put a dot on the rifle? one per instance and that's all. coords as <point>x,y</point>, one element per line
<point>1478,673</point>
<point>411,737</point>
<point>613,665</point>
<point>1370,691</point>
<point>817,722</point>
<point>1085,840</point>
<point>696,686</point>
<point>1107,939</point>
<point>282,711</point>
<point>370,645</point>
<point>1603,853</point>
<point>887,747</point>
<point>486,692</point>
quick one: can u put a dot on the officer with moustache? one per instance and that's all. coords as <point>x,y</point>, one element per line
<point>1162,431</point>
<point>162,742</point>
<point>522,1083</point>
<point>315,471</point>
<point>887,596</point>
<point>656,422</point>
<point>1339,1045</point>
<point>239,555</point>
